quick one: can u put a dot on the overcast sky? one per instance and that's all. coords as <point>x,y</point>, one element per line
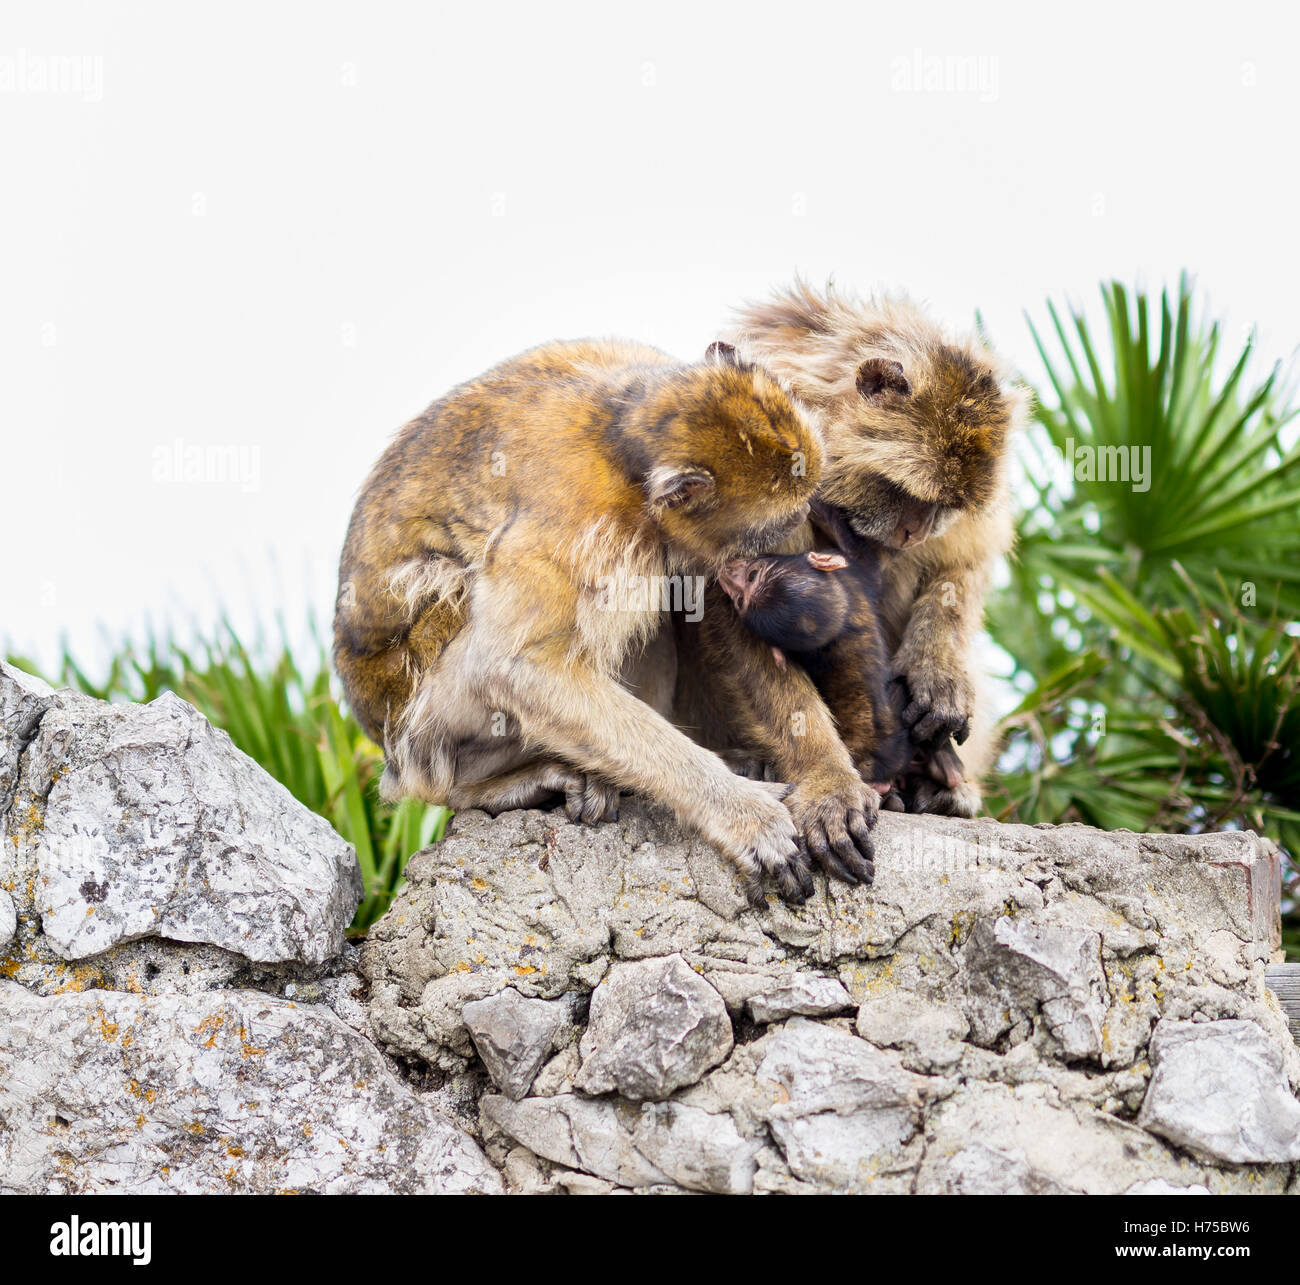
<point>243,243</point>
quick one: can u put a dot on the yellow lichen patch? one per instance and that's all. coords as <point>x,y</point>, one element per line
<point>83,976</point>
<point>306,1131</point>
<point>524,969</point>
<point>139,1121</point>
<point>479,882</point>
<point>106,1028</point>
<point>250,1050</point>
<point>232,1150</point>
<point>195,1127</point>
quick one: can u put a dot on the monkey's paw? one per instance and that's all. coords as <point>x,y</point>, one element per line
<point>590,799</point>
<point>938,705</point>
<point>926,795</point>
<point>834,822</point>
<point>756,831</point>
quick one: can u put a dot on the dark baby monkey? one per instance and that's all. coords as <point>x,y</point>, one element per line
<point>821,608</point>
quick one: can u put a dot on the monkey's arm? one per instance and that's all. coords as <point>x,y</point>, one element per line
<point>946,612</point>
<point>570,708</point>
<point>779,714</point>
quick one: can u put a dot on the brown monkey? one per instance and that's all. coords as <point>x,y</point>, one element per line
<point>484,621</point>
<point>916,427</point>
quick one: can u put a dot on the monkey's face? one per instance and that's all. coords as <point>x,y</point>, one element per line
<point>744,462</point>
<point>917,440</point>
<point>793,601</point>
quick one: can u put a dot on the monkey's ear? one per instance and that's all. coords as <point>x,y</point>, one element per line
<point>878,376</point>
<point>719,353</point>
<point>674,488</point>
<point>827,561</point>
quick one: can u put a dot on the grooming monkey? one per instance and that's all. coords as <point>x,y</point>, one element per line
<point>915,427</point>
<point>472,632</point>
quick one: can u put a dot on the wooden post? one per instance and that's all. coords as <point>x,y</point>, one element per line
<point>1284,981</point>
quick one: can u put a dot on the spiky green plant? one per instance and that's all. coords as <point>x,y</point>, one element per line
<point>1159,608</point>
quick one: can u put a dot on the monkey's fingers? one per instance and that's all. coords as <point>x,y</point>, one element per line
<point>893,802</point>
<point>848,847</point>
<point>860,828</point>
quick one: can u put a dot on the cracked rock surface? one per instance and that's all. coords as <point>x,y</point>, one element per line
<point>548,1007</point>
<point>178,1010</point>
<point>1002,1012</point>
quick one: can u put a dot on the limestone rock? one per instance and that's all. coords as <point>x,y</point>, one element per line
<point>655,1026</point>
<point>514,1035</point>
<point>8,919</point>
<point>804,994</point>
<point>220,1092</point>
<point>1219,1090</point>
<point>132,822</point>
<point>1017,968</point>
<point>928,1035</point>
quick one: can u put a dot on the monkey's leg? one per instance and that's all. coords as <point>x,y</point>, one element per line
<point>976,756</point>
<point>932,657</point>
<point>586,798</point>
<point>587,718</point>
<point>779,714</point>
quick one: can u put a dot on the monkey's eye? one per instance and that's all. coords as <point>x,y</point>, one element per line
<point>753,575</point>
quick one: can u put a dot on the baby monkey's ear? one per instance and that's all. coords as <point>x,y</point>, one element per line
<point>827,561</point>
<point>878,376</point>
<point>674,488</point>
<point>719,353</point>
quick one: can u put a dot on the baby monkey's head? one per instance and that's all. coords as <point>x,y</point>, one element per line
<point>793,602</point>
<point>731,460</point>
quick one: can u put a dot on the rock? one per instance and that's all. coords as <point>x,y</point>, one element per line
<point>1007,981</point>
<point>805,994</point>
<point>699,1150</point>
<point>133,822</point>
<point>1020,968</point>
<point>1219,1090</point>
<point>1158,1187</point>
<point>593,1136</point>
<point>929,1036</point>
<point>8,919</point>
<point>219,1092</point>
<point>842,1110</point>
<point>999,1139</point>
<point>23,702</point>
<point>514,1035</point>
<point>655,1026</point>
<point>989,964</point>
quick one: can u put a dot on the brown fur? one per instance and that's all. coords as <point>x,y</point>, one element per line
<point>470,633</point>
<point>916,426</point>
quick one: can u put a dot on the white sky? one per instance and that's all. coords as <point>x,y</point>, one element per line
<point>283,229</point>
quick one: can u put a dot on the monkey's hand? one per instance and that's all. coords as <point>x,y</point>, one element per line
<point>834,816</point>
<point>940,700</point>
<point>753,828</point>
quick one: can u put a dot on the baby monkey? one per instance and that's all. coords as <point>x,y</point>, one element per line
<point>822,608</point>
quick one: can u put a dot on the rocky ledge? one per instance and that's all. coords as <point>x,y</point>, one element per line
<point>551,1007</point>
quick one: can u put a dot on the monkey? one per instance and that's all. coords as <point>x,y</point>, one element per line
<point>797,604</point>
<point>479,633</point>
<point>916,427</point>
<point>819,608</point>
